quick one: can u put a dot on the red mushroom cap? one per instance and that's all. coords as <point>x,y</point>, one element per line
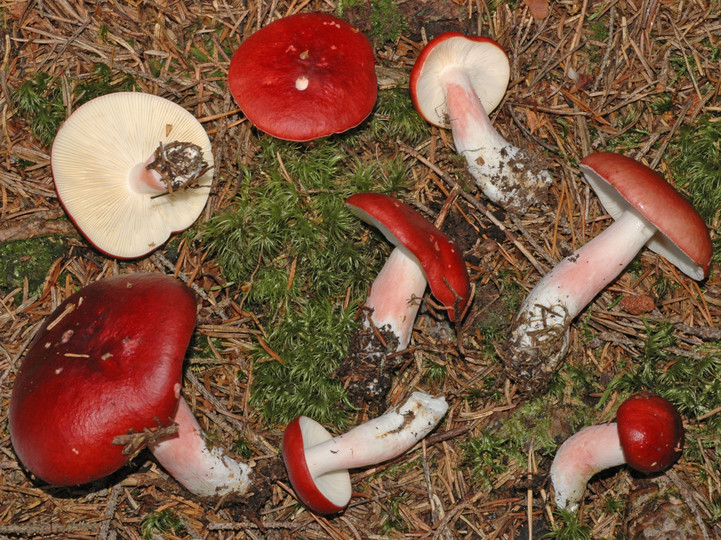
<point>305,76</point>
<point>438,255</point>
<point>108,361</point>
<point>621,182</point>
<point>651,432</point>
<point>315,493</point>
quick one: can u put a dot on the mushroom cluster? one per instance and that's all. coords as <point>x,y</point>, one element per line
<point>102,378</point>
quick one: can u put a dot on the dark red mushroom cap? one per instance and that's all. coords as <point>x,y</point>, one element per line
<point>305,76</point>
<point>317,493</point>
<point>651,432</point>
<point>437,254</point>
<point>108,361</point>
<point>621,183</point>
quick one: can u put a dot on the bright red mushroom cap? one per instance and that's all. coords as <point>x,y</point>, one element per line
<point>621,182</point>
<point>106,362</point>
<point>305,76</point>
<point>314,493</point>
<point>650,431</point>
<point>438,255</point>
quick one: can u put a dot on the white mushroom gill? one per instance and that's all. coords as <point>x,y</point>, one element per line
<point>93,154</point>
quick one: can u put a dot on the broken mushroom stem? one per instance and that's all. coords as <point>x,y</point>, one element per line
<point>174,166</point>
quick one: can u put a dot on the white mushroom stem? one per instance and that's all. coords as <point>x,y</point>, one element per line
<point>502,171</point>
<point>581,456</point>
<point>380,439</point>
<point>544,318</point>
<point>203,471</point>
<point>396,294</point>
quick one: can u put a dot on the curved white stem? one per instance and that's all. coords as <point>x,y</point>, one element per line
<point>380,439</point>
<point>396,294</point>
<point>502,171</point>
<point>203,471</point>
<point>581,456</point>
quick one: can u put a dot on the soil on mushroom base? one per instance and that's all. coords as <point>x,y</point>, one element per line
<point>367,370</point>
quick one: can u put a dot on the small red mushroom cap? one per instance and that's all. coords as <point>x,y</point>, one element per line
<point>650,431</point>
<point>326,494</point>
<point>622,182</point>
<point>437,254</point>
<point>108,361</point>
<point>305,76</point>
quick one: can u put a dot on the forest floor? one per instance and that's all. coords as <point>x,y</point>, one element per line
<point>278,299</point>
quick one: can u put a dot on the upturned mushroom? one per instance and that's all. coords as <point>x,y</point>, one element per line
<point>647,211</point>
<point>647,436</point>
<point>318,463</point>
<point>304,76</point>
<point>102,379</point>
<point>131,169</point>
<point>455,82</point>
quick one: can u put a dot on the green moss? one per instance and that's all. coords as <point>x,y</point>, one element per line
<point>696,170</point>
<point>487,455</point>
<point>392,519</point>
<point>691,383</point>
<point>568,527</point>
<point>386,19</point>
<point>297,252</point>
<point>40,100</point>
<point>29,259</point>
<point>164,521</point>
<point>396,117</point>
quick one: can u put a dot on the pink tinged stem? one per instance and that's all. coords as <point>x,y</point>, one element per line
<point>581,456</point>
<point>503,172</point>
<point>470,124</point>
<point>380,439</point>
<point>144,181</point>
<point>567,289</point>
<point>203,471</point>
<point>396,294</point>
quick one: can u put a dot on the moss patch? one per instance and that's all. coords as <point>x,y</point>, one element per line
<point>29,259</point>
